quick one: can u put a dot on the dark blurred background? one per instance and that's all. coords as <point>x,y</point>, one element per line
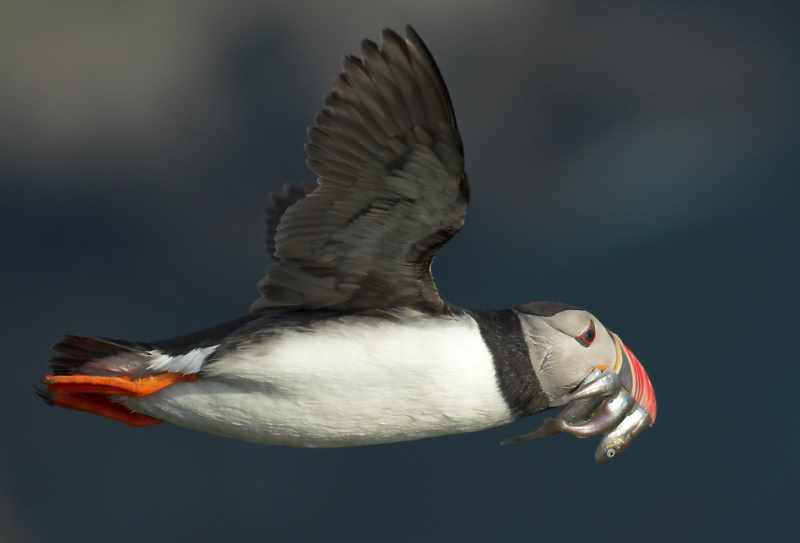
<point>639,159</point>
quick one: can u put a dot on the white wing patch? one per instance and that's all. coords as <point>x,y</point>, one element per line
<point>190,362</point>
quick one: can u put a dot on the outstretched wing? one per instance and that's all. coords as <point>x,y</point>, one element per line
<point>392,189</point>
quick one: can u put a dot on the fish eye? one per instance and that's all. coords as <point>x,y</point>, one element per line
<point>610,453</point>
<point>588,335</point>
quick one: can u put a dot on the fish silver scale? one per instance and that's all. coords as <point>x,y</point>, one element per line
<point>619,438</point>
<point>605,418</point>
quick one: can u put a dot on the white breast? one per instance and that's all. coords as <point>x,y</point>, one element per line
<point>352,381</point>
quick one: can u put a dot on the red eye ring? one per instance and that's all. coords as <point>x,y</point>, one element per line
<point>588,335</point>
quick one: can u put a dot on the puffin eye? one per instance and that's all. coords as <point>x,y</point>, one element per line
<point>588,335</point>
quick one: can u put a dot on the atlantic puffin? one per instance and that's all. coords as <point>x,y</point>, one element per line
<point>350,342</point>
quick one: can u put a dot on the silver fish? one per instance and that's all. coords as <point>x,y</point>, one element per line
<point>607,416</point>
<point>620,437</point>
<point>576,411</point>
<point>608,382</point>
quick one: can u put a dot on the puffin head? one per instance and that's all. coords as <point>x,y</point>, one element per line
<point>566,343</point>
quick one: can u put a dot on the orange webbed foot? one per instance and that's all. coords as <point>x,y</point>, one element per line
<point>98,404</point>
<point>123,386</point>
<point>89,393</point>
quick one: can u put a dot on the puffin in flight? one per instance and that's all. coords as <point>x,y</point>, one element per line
<point>350,342</point>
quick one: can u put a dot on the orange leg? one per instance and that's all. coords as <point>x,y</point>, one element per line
<point>90,393</point>
<point>123,386</point>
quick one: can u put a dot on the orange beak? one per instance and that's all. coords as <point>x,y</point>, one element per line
<point>634,378</point>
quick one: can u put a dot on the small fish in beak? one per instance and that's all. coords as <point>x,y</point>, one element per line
<point>619,438</point>
<point>618,402</point>
<point>577,410</point>
<point>607,416</point>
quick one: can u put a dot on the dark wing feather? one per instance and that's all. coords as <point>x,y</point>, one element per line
<point>279,203</point>
<point>392,189</point>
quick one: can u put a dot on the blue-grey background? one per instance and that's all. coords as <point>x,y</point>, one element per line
<point>639,159</point>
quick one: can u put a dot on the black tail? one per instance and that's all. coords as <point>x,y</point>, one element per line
<point>76,351</point>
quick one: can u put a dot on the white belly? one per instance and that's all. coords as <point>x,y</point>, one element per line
<point>353,381</point>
